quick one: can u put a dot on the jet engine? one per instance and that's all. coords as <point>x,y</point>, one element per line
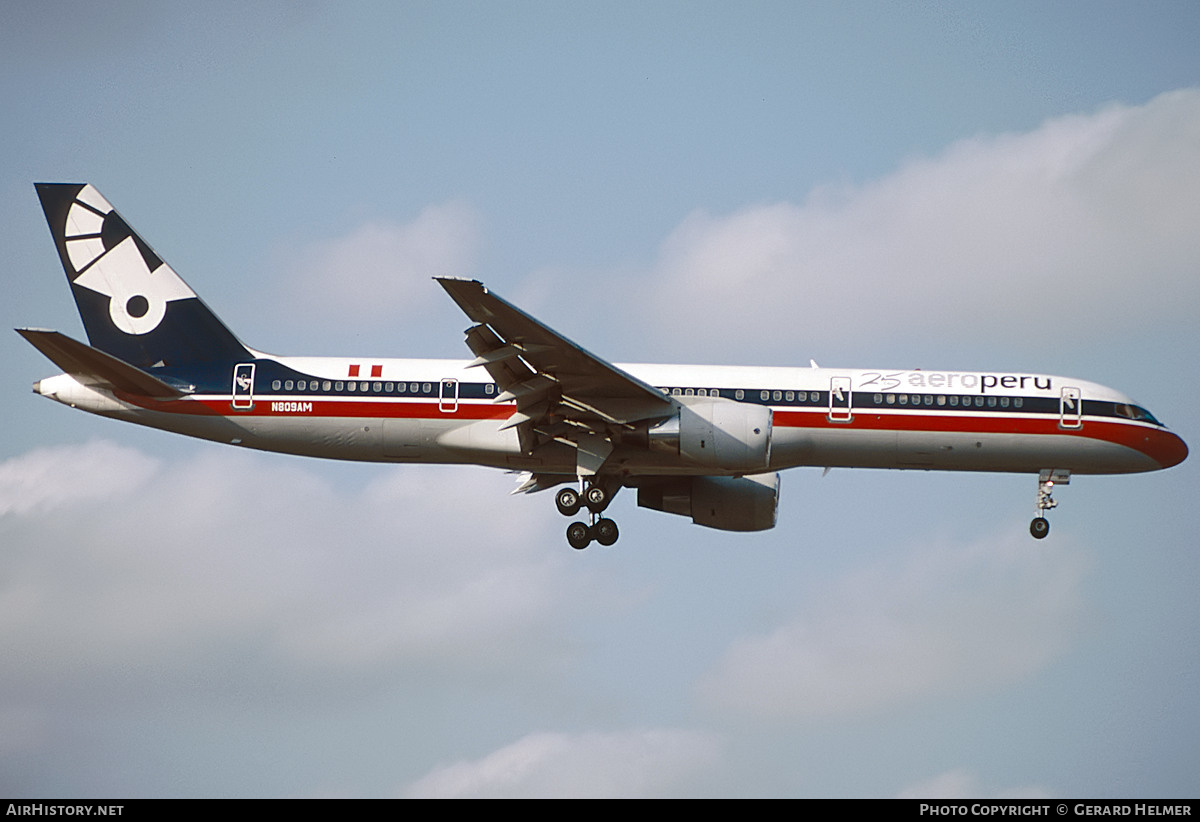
<point>748,503</point>
<point>716,433</point>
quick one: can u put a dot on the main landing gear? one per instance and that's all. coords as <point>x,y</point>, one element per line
<point>1047,479</point>
<point>595,498</point>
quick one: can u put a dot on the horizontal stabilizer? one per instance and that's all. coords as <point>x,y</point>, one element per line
<point>94,368</point>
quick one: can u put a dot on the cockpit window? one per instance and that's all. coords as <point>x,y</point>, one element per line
<point>1134,412</point>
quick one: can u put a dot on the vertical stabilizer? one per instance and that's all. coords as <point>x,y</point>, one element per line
<point>133,305</point>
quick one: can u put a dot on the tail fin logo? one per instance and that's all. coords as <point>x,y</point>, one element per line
<point>110,259</point>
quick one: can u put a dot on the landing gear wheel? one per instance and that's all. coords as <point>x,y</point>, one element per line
<point>596,498</point>
<point>567,500</point>
<point>1039,527</point>
<point>605,531</point>
<point>579,535</point>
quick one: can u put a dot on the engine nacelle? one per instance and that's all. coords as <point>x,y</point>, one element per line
<point>748,503</point>
<point>717,433</point>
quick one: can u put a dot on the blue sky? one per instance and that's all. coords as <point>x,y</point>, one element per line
<point>951,186</point>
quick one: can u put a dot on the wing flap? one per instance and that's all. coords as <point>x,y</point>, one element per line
<point>563,392</point>
<point>506,336</point>
<point>531,483</point>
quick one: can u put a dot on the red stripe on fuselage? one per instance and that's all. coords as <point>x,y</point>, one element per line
<point>1161,446</point>
<point>350,409</point>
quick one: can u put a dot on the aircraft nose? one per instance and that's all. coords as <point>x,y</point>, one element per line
<point>1165,448</point>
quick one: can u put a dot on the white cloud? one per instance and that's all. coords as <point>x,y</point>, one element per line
<point>382,269</point>
<point>46,479</point>
<point>963,784</point>
<point>467,575</point>
<point>231,566</point>
<point>945,621</point>
<point>643,763</point>
<point>1082,226</point>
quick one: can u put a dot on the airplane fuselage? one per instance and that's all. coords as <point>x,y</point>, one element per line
<point>442,411</point>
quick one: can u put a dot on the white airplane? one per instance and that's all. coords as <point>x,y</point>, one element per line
<point>695,440</point>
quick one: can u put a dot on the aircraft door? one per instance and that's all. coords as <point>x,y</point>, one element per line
<point>840,400</point>
<point>243,386</point>
<point>448,396</point>
<point>1070,408</point>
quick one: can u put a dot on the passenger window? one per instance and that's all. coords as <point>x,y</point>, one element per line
<point>891,399</point>
<point>337,386</point>
<point>764,395</point>
<point>739,394</point>
<point>1018,402</point>
<point>389,387</point>
<point>941,399</point>
<point>1004,402</point>
<point>789,396</point>
<point>689,392</point>
<point>275,385</point>
<point>489,389</point>
<point>325,385</point>
<point>904,399</point>
<point>425,388</point>
<point>376,387</point>
<point>287,386</point>
<point>777,396</point>
<point>879,399</point>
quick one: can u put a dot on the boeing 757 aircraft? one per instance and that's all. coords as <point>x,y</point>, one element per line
<point>706,442</point>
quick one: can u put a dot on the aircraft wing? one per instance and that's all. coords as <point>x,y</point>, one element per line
<point>562,391</point>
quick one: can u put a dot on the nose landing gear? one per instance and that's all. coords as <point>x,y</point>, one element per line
<point>1047,479</point>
